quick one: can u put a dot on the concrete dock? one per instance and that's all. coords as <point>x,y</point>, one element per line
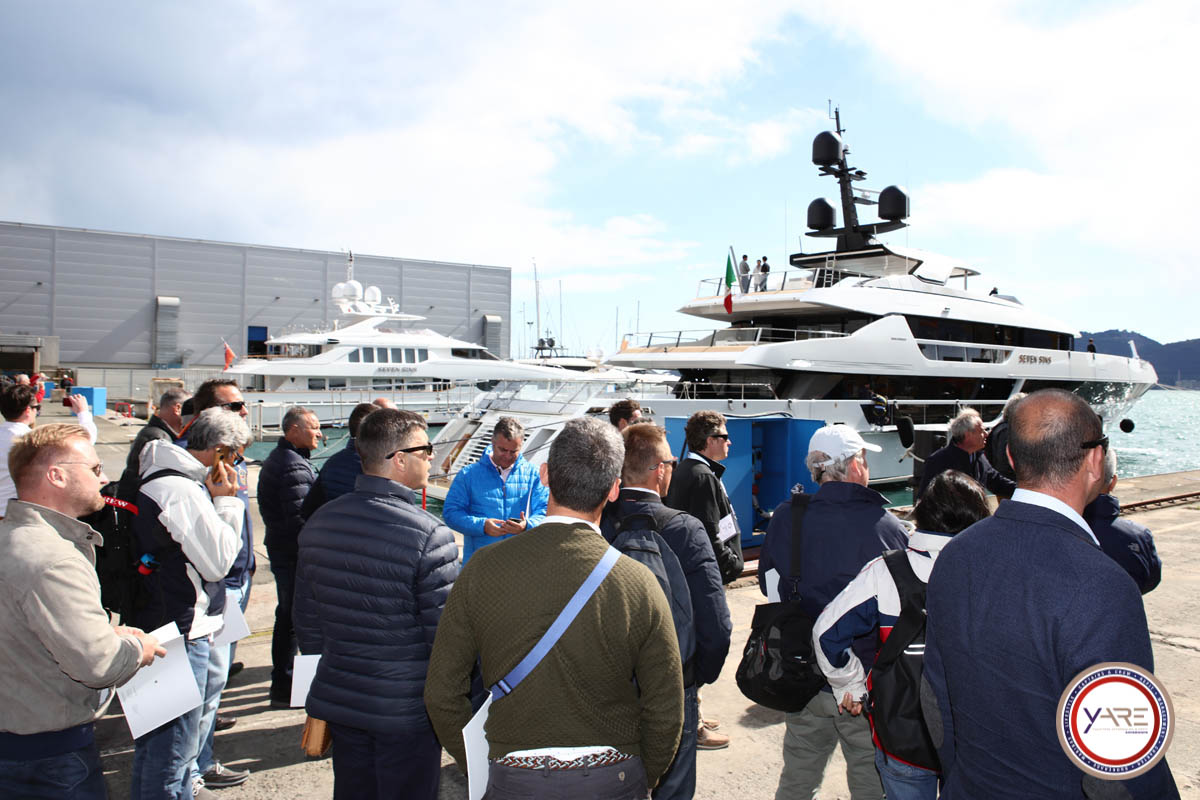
<point>267,741</point>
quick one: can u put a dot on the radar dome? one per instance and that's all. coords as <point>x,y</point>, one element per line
<point>827,149</point>
<point>339,290</point>
<point>821,215</point>
<point>352,290</point>
<point>893,204</point>
<point>373,296</point>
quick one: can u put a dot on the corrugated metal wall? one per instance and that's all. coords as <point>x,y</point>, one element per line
<point>97,291</point>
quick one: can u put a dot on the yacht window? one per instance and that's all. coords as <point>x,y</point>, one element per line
<point>382,358</point>
<point>422,354</point>
<point>410,355</point>
<point>316,383</point>
<point>382,383</point>
<point>368,355</point>
<point>337,383</point>
<point>353,356</point>
<point>359,383</point>
<point>414,387</point>
<point>397,355</point>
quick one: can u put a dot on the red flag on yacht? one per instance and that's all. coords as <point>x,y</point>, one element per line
<point>229,355</point>
<point>729,279</point>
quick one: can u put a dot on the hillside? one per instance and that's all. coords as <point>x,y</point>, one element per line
<point>1175,361</point>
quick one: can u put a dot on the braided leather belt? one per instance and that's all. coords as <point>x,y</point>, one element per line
<point>606,759</point>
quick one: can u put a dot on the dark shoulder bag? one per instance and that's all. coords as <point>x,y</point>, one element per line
<point>779,669</point>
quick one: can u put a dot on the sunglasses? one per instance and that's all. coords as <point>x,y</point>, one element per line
<point>718,436</point>
<point>670,462</point>
<point>1101,442</point>
<point>236,405</point>
<point>97,468</point>
<point>427,449</point>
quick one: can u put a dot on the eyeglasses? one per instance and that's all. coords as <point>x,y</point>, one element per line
<point>426,448</point>
<point>236,405</point>
<point>97,468</point>
<point>36,406</point>
<point>1102,442</point>
<point>718,436</point>
<point>670,462</point>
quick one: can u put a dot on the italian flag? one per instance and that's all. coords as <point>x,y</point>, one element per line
<point>729,279</point>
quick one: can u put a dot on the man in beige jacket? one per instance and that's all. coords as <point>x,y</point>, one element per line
<point>59,656</point>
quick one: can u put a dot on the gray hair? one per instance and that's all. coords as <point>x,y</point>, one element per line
<point>1110,467</point>
<point>218,427</point>
<point>172,396</point>
<point>294,416</point>
<point>962,424</point>
<point>1012,401</point>
<point>385,431</point>
<point>509,428</point>
<point>839,470</point>
<point>585,460</point>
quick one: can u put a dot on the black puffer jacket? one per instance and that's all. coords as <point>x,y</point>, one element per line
<point>697,489</point>
<point>286,477</point>
<point>374,573</point>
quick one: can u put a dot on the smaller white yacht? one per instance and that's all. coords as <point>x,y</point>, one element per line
<point>372,351</point>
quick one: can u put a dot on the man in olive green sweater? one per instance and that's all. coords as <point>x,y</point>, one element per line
<point>578,726</point>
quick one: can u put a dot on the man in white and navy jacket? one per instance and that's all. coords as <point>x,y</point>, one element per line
<point>953,502</point>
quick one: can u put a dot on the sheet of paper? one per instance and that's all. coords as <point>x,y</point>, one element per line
<point>771,579</point>
<point>235,626</point>
<point>162,691</point>
<point>726,528</point>
<point>475,740</point>
<point>304,669</point>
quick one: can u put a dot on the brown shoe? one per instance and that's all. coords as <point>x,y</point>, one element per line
<point>711,724</point>
<point>711,740</point>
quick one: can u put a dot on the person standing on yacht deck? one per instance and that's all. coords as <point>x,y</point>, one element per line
<point>760,277</point>
<point>498,496</point>
<point>744,273</point>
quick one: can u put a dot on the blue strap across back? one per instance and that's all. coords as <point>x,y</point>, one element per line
<point>558,627</point>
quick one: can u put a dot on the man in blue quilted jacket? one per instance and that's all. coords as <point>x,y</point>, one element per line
<point>286,478</point>
<point>372,578</point>
<point>499,495</point>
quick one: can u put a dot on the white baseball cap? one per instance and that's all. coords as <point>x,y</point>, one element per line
<point>838,442</point>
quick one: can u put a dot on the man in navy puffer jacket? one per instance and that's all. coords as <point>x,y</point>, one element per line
<point>285,480</point>
<point>373,575</point>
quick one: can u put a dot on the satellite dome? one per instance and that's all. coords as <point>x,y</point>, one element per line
<point>893,204</point>
<point>373,296</point>
<point>339,290</point>
<point>821,215</point>
<point>352,290</point>
<point>827,149</point>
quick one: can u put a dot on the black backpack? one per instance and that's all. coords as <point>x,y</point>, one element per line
<point>778,668</point>
<point>637,536</point>
<point>895,703</point>
<point>117,561</point>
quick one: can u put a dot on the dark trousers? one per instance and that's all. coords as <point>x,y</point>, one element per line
<point>70,776</point>
<point>283,638</point>
<point>680,781</point>
<point>624,781</point>
<point>375,766</point>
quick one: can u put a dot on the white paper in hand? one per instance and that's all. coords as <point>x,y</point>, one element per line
<point>304,669</point>
<point>162,691</point>
<point>476,744</point>
<point>726,528</point>
<point>771,579</point>
<point>234,627</point>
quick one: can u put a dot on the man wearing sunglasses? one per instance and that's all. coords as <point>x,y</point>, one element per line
<point>373,574</point>
<point>20,407</point>
<point>57,648</point>
<point>498,496</point>
<point>645,477</point>
<point>1018,605</point>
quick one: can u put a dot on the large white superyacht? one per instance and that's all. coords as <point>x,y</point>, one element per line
<point>876,336</point>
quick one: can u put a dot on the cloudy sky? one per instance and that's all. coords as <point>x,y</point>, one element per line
<point>625,145</point>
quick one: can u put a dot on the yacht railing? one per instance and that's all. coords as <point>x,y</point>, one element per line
<point>941,350</point>
<point>726,337</point>
<point>790,280</point>
<point>705,390</point>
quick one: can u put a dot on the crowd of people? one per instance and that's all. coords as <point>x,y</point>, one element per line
<point>586,611</point>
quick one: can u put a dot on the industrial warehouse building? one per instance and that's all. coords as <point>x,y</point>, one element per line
<point>121,308</point>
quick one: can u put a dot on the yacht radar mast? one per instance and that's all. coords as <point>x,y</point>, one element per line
<point>829,152</point>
